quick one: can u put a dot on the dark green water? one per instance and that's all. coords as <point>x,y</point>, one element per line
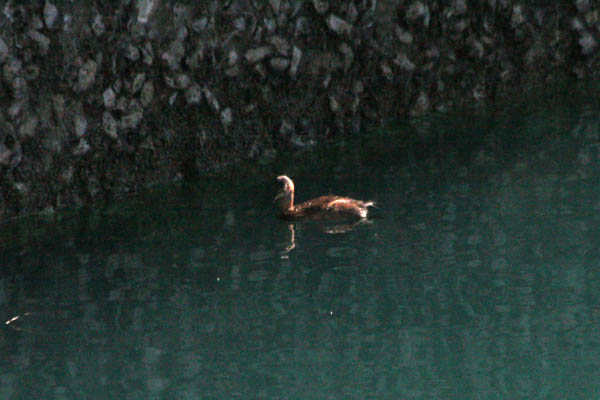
<point>479,278</point>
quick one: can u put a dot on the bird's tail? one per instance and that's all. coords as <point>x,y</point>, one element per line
<point>370,204</point>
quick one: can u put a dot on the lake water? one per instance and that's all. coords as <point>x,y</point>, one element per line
<point>477,278</point>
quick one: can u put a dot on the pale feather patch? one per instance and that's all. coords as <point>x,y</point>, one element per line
<point>338,201</point>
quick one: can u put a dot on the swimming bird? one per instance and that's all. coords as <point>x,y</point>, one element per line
<point>321,208</point>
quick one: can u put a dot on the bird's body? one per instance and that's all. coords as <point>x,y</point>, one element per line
<point>321,208</point>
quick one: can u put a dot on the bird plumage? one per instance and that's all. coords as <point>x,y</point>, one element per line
<point>320,208</point>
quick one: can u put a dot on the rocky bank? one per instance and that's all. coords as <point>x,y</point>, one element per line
<point>103,98</point>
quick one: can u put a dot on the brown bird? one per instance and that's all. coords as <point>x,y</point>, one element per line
<point>321,208</point>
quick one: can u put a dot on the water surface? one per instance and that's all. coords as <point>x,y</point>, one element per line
<point>478,277</point>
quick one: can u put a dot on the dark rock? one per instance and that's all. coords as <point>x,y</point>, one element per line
<point>539,16</point>
<point>517,17</point>
<point>181,14</point>
<point>281,45</point>
<point>109,124</point>
<point>67,174</point>
<point>12,68</point>
<point>403,35</point>
<point>81,148</point>
<point>334,105</point>
<point>28,128</point>
<point>461,25</point>
<point>301,27</point>
<point>355,106</point>
<point>17,154</point>
<point>577,24</point>
<point>459,7</point>
<point>182,34</point>
<point>351,11</point>
<point>286,129</point>
<point>147,53</point>
<point>327,80</point>
<point>227,117</point>
<point>80,125</point>
<point>302,143</point>
<point>534,54</point>
<point>338,25</point>
<point>296,57</point>
<point>348,54</point>
<point>35,23</point>
<point>94,187</point>
<point>267,156</point>
<point>418,11</point>
<point>195,59</point>
<point>240,24</point>
<point>211,99</point>
<point>67,25</point>
<point>179,81</point>
<point>19,87</point>
<point>279,63</point>
<point>182,81</point>
<point>255,55</point>
<point>58,106</point>
<point>172,98</point>
<point>591,18</point>
<point>22,190</point>
<point>275,5</point>
<point>109,98</point>
<point>144,9</point>
<point>234,71</point>
<point>50,15</point>
<point>270,24</point>
<point>421,105</point>
<point>138,82</point>
<point>321,6</point>
<point>386,70</point>
<point>582,5</point>
<point>174,54</point>
<point>117,86</point>
<point>358,87</point>
<point>31,72</point>
<point>138,32</point>
<point>260,71</point>
<point>404,62</point>
<point>98,25</point>
<point>87,75</point>
<point>199,25</point>
<point>193,94</point>
<point>147,93</point>
<point>131,120</point>
<point>5,155</point>
<point>15,109</point>
<point>131,52</point>
<point>588,43</point>
<point>233,57</point>
<point>477,49</point>
<point>478,92</point>
<point>42,41</point>
<point>282,20</point>
<point>3,51</point>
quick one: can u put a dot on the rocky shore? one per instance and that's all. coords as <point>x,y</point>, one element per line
<point>103,98</point>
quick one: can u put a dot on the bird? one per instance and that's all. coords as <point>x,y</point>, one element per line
<point>321,208</point>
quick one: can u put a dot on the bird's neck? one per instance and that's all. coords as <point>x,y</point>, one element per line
<point>286,202</point>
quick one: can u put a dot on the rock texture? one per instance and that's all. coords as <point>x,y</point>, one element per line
<point>98,100</point>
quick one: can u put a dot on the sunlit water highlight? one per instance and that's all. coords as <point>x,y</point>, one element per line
<point>479,276</point>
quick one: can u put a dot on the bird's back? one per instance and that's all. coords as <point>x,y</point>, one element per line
<point>327,208</point>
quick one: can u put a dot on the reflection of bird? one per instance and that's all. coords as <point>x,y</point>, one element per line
<point>321,208</point>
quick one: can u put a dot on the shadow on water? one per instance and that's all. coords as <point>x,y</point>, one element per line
<point>478,278</point>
